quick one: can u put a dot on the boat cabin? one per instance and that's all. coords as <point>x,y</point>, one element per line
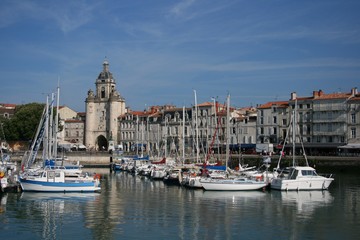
<point>297,172</point>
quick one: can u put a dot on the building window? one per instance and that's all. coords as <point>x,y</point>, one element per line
<point>274,120</point>
<point>353,118</point>
<point>329,116</point>
<point>329,127</point>
<point>353,132</point>
<point>261,130</point>
<point>275,131</point>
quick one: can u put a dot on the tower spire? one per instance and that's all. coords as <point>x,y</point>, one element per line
<point>105,65</point>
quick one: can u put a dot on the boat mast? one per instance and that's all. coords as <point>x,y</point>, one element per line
<point>294,131</point>
<point>142,138</point>
<point>183,137</point>
<point>227,131</point>
<point>196,129</point>
<point>46,147</point>
<point>137,135</point>
<point>51,129</point>
<point>56,122</point>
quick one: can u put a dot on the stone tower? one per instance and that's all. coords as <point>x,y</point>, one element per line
<point>102,111</point>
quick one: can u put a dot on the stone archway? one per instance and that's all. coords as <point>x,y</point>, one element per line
<point>101,143</point>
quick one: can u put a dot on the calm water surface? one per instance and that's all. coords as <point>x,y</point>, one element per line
<point>134,208</point>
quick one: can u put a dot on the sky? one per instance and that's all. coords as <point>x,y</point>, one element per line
<point>163,51</point>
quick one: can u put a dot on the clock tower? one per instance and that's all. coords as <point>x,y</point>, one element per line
<point>103,107</point>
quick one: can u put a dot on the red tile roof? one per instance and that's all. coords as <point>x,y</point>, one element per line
<point>283,104</point>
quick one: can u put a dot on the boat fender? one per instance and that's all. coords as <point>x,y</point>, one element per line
<point>2,174</point>
<point>97,176</point>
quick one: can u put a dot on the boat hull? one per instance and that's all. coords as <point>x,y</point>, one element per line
<point>319,183</point>
<point>230,185</point>
<point>42,186</point>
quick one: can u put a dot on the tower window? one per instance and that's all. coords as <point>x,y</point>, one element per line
<point>102,92</point>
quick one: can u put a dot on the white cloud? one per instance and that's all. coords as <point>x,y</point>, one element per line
<point>180,8</point>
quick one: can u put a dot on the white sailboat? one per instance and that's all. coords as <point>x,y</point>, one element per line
<point>299,177</point>
<point>231,184</point>
<point>50,179</point>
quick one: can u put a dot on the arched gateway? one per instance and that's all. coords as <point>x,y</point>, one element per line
<point>101,143</point>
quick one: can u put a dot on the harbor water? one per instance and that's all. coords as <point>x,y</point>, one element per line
<point>131,207</point>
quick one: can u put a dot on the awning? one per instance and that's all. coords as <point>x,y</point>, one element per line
<point>81,146</point>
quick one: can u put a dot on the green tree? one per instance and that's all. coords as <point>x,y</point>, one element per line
<point>22,126</point>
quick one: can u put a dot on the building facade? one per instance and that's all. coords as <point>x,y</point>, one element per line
<point>325,122</point>
<point>103,107</point>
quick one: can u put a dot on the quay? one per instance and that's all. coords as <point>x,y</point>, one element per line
<point>104,159</point>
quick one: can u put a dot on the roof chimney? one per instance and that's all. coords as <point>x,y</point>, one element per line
<point>293,96</point>
<point>315,94</point>
<point>354,91</point>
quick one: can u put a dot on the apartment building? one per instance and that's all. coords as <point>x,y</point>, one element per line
<point>326,122</point>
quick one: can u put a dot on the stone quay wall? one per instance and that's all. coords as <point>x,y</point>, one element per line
<point>104,159</point>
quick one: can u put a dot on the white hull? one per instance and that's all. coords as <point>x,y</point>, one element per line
<point>43,186</point>
<point>313,183</point>
<point>232,185</point>
<point>194,182</point>
<point>47,180</point>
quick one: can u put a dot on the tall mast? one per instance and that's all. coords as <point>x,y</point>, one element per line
<point>136,135</point>
<point>56,122</point>
<point>46,135</point>
<point>183,136</point>
<point>142,138</point>
<point>51,128</point>
<point>227,131</point>
<point>196,129</point>
<point>294,131</point>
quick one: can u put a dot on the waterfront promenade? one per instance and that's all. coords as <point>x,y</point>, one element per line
<point>103,159</point>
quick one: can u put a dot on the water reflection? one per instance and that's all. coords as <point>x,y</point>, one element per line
<point>51,213</point>
<point>306,202</point>
<point>3,201</point>
<point>138,208</point>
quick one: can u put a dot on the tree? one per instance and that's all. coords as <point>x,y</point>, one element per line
<point>22,126</point>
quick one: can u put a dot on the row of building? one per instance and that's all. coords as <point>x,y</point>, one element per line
<point>328,123</point>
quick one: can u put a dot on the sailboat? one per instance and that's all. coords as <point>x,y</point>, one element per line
<point>231,184</point>
<point>299,177</point>
<point>45,178</point>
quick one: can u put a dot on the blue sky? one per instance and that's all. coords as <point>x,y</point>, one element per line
<point>160,51</point>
